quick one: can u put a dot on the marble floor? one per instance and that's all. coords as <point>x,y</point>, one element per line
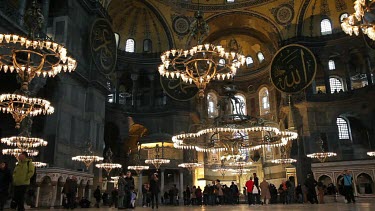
<point>362,205</point>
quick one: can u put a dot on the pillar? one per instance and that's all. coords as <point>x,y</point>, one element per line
<point>61,196</point>
<point>134,78</point>
<point>21,11</point>
<point>54,191</point>
<point>162,182</point>
<point>347,76</point>
<point>140,185</point>
<point>181,184</point>
<point>37,196</point>
<point>368,71</point>
<point>89,197</point>
<point>45,9</point>
<point>152,90</point>
<point>325,67</point>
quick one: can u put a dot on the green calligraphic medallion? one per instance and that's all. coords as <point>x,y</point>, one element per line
<point>103,46</point>
<point>293,68</point>
<point>177,89</point>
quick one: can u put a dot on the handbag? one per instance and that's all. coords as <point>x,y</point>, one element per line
<point>255,190</point>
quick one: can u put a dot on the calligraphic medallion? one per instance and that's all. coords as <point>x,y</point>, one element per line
<point>177,89</point>
<point>293,68</point>
<point>103,46</point>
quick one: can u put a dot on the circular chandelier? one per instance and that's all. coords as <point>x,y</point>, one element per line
<point>21,106</point>
<point>371,153</point>
<point>108,166</point>
<point>157,162</point>
<point>360,20</point>
<point>24,143</point>
<point>190,166</point>
<point>87,159</point>
<point>40,164</point>
<point>138,169</point>
<point>200,65</point>
<point>322,156</point>
<point>16,152</point>
<point>222,170</point>
<point>283,161</point>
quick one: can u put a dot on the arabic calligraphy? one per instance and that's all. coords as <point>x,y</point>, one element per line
<point>177,89</point>
<point>293,68</point>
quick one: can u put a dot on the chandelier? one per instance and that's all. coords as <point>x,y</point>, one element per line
<point>40,164</point>
<point>321,156</point>
<point>138,168</point>
<point>108,167</point>
<point>371,153</point>
<point>24,143</point>
<point>203,62</point>
<point>157,162</point>
<point>190,166</point>
<point>222,170</point>
<point>16,152</point>
<point>283,159</point>
<point>88,158</point>
<point>21,106</point>
<point>360,20</point>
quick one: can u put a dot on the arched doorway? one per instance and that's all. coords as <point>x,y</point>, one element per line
<point>326,180</point>
<point>45,194</point>
<point>59,189</point>
<point>365,184</point>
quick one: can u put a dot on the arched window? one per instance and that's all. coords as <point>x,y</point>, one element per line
<point>147,45</point>
<point>249,61</point>
<point>264,101</point>
<point>343,16</point>
<point>130,45</point>
<point>260,57</point>
<point>326,27</point>
<point>230,1</point>
<point>335,84</point>
<point>221,62</point>
<point>239,105</point>
<point>117,38</point>
<point>343,128</point>
<point>331,65</point>
<point>212,105</point>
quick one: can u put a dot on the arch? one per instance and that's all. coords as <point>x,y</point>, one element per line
<point>117,38</point>
<point>45,193</point>
<point>325,179</point>
<point>239,104</point>
<point>147,46</point>
<point>365,184</point>
<point>249,61</point>
<point>343,128</point>
<point>130,45</point>
<point>336,84</point>
<point>212,101</point>
<point>260,57</point>
<point>331,64</point>
<point>264,101</point>
<point>325,26</point>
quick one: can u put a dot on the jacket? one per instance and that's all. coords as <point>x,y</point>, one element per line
<point>22,173</point>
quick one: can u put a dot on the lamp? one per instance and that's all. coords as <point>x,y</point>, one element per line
<point>203,62</point>
<point>39,164</point>
<point>283,159</point>
<point>321,156</point>
<point>24,143</point>
<point>157,162</point>
<point>138,168</point>
<point>16,152</point>
<point>88,158</point>
<point>108,166</point>
<point>371,153</point>
<point>360,20</point>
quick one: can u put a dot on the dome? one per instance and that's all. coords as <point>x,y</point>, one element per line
<point>139,21</point>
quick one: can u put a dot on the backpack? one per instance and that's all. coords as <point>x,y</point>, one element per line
<point>33,178</point>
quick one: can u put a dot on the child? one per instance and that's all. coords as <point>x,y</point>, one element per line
<point>133,197</point>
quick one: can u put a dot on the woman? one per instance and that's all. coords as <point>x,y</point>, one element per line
<point>219,191</point>
<point>154,190</point>
<point>5,181</point>
<point>321,190</point>
<point>265,191</point>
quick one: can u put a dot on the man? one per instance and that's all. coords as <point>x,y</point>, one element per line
<point>121,191</point>
<point>348,187</point>
<point>129,188</point>
<point>256,193</point>
<point>249,187</point>
<point>5,181</point>
<point>22,173</point>
<point>98,196</point>
<point>310,184</point>
<point>235,193</point>
<point>70,190</point>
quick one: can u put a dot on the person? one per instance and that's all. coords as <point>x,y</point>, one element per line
<point>144,194</point>
<point>5,181</point>
<point>114,197</point>
<point>321,189</point>
<point>193,196</point>
<point>283,191</point>
<point>265,193</point>
<point>249,187</point>
<point>105,199</point>
<point>220,193</point>
<point>187,196</point>
<point>70,190</point>
<point>291,190</point>
<point>348,187</point>
<point>154,190</point>
<point>310,184</point>
<point>129,188</point>
<point>256,193</point>
<point>198,194</point>
<point>299,194</point>
<point>121,191</point>
<point>205,194</point>
<point>133,198</point>
<point>97,196</point>
<point>235,193</point>
<point>22,174</point>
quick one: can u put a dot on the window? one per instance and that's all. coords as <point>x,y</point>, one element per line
<point>230,1</point>
<point>117,38</point>
<point>343,16</point>
<point>249,61</point>
<point>343,128</point>
<point>239,105</point>
<point>221,62</point>
<point>331,65</point>
<point>326,27</point>
<point>212,105</point>
<point>260,57</point>
<point>130,46</point>
<point>147,45</point>
<point>264,101</point>
<point>335,84</point>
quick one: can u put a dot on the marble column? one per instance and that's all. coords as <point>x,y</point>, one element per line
<point>21,11</point>
<point>54,191</point>
<point>368,71</point>
<point>181,185</point>
<point>134,78</point>
<point>152,90</point>
<point>37,196</point>
<point>162,182</point>
<point>89,197</point>
<point>140,185</point>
